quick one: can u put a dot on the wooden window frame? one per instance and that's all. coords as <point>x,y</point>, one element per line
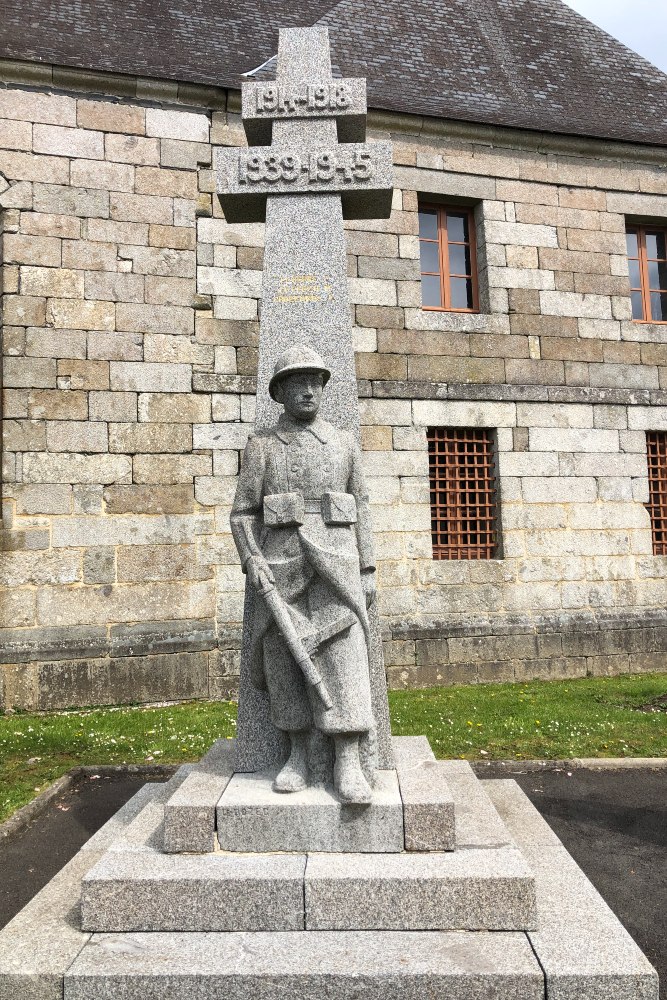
<point>443,256</point>
<point>639,230</point>
<point>462,469</point>
<point>656,459</point>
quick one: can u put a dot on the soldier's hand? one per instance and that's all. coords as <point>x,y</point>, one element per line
<point>369,586</point>
<point>259,572</point>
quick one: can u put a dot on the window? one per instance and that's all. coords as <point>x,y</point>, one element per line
<point>656,449</point>
<point>447,252</point>
<point>647,260</point>
<point>463,493</point>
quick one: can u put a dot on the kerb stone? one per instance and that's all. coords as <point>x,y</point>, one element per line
<point>252,817</point>
<point>581,945</point>
<point>189,815</point>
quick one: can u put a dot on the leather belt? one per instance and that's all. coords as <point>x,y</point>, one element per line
<point>312,506</point>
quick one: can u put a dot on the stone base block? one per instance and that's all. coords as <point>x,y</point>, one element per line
<point>338,965</point>
<point>251,817</point>
<point>465,890</point>
<point>218,892</point>
<point>189,815</point>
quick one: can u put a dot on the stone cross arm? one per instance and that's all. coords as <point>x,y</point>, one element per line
<point>315,125</point>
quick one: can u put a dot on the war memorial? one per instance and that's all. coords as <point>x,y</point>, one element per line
<point>315,855</point>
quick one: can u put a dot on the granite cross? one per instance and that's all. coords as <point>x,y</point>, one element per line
<point>316,171</point>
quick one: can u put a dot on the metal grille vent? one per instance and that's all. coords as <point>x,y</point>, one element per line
<point>463,493</point>
<point>656,448</point>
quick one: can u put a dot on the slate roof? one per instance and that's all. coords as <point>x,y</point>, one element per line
<point>533,64</point>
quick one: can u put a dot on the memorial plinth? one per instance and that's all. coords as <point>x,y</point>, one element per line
<point>220,884</point>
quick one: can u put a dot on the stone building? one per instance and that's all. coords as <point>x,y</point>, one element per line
<point>513,400</point>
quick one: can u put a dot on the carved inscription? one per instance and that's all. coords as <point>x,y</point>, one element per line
<point>303,288</point>
<point>303,169</point>
<point>275,99</point>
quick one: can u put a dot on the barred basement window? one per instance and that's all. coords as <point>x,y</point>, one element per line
<point>464,516</point>
<point>656,449</point>
<point>448,260</point>
<point>647,261</point>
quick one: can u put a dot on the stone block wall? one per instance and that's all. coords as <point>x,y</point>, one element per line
<point>130,330</point>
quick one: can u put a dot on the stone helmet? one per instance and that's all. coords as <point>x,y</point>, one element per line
<point>297,359</point>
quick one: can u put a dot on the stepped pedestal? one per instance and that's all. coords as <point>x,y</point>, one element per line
<point>505,914</point>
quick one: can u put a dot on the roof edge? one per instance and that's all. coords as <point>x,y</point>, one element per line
<point>33,75</point>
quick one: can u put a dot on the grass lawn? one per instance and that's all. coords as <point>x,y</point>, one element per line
<point>593,717</point>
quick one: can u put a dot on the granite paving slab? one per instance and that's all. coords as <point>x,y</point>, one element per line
<point>189,814</point>
<point>251,817</point>
<point>464,890</point>
<point>338,965</point>
<point>585,951</point>
<point>218,892</point>
<point>41,942</point>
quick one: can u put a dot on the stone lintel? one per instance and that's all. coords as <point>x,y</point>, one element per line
<point>264,102</point>
<point>252,817</point>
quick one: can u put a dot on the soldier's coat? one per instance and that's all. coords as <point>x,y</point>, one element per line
<point>316,567</point>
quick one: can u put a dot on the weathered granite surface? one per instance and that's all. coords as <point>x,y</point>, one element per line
<point>373,965</point>
<point>585,951</point>
<point>217,892</point>
<point>305,300</point>
<point>462,890</point>
<point>189,814</point>
<point>252,817</point>
<point>41,942</point>
<point>428,807</point>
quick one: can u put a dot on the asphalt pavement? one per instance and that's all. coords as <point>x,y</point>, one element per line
<point>613,822</point>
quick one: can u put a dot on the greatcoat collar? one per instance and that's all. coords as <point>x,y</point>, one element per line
<point>287,428</point>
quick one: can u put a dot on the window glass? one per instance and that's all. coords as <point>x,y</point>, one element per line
<point>430,290</point>
<point>457,227</point>
<point>461,293</point>
<point>447,258</point>
<point>430,257</point>
<point>647,268</point>
<point>428,224</point>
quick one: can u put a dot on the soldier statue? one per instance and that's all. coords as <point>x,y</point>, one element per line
<point>301,524</point>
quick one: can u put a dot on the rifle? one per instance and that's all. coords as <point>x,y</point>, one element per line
<point>302,646</point>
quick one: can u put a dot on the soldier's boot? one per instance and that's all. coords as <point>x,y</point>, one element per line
<point>349,780</point>
<point>294,774</point>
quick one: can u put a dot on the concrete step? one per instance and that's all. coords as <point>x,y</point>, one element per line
<point>338,965</point>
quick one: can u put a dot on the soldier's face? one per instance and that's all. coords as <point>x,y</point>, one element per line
<point>301,394</point>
